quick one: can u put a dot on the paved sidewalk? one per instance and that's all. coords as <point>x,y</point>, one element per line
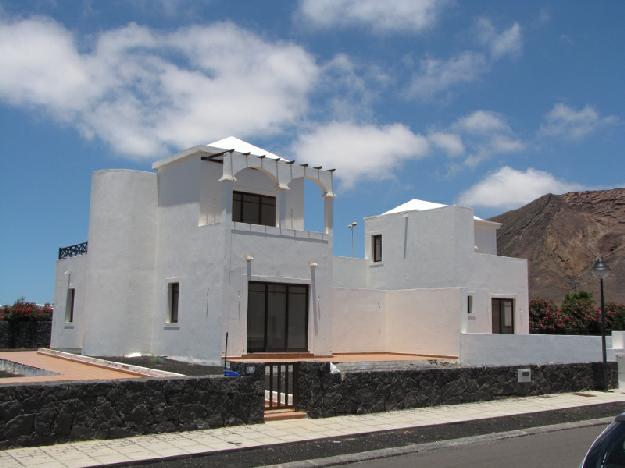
<point>93,453</point>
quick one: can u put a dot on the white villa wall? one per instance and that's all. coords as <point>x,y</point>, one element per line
<point>419,321</point>
<point>487,349</point>
<point>120,281</point>
<point>282,256</point>
<point>490,276</point>
<point>192,256</point>
<point>359,321</point>
<point>350,272</point>
<point>424,321</point>
<point>70,273</point>
<point>420,249</point>
<point>485,237</point>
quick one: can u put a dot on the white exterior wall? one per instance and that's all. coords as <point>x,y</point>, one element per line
<point>436,249</point>
<point>279,256</point>
<point>424,321</point>
<point>413,321</point>
<point>70,273</point>
<point>350,272</point>
<point>487,349</point>
<point>120,280</point>
<point>193,256</point>
<point>359,321</point>
<point>485,237</point>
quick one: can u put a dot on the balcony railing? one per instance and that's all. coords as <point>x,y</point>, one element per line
<point>73,250</point>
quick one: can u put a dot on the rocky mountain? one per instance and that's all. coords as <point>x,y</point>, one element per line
<point>561,235</point>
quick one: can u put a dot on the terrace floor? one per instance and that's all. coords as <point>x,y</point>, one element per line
<point>340,357</point>
<point>64,368</point>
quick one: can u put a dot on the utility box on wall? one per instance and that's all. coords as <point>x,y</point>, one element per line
<point>524,375</point>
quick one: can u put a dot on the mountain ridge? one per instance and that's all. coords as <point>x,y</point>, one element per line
<point>562,235</point>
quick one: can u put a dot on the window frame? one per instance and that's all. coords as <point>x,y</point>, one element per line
<point>239,198</point>
<point>469,304</point>
<point>173,292</point>
<point>376,253</point>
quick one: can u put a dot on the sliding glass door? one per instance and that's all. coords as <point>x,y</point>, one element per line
<point>277,317</point>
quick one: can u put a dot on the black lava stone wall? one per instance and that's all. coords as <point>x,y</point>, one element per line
<point>322,394</point>
<point>46,413</point>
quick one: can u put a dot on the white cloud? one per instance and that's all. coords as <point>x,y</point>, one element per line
<point>487,134</point>
<point>146,93</point>
<point>437,76</point>
<point>508,42</point>
<point>509,188</point>
<point>360,151</point>
<point>380,16</point>
<point>482,122</point>
<point>450,143</point>
<point>566,122</point>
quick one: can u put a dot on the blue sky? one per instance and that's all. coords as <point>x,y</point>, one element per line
<point>488,104</point>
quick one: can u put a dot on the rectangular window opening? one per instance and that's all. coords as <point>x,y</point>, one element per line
<point>503,315</point>
<point>376,241</point>
<point>469,304</point>
<point>69,305</point>
<point>252,208</point>
<point>173,293</point>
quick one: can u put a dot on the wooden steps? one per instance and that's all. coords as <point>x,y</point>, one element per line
<point>282,414</point>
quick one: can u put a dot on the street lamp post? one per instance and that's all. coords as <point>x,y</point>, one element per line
<point>601,270</point>
<point>351,226</point>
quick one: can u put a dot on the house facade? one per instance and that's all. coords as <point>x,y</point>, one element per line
<point>210,250</point>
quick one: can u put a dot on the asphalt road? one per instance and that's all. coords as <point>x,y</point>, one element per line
<point>562,449</point>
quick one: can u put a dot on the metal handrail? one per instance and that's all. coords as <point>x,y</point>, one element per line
<point>73,250</point>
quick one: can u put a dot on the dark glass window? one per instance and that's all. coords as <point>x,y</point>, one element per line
<point>503,316</point>
<point>376,241</point>
<point>277,317</point>
<point>252,208</point>
<point>69,305</point>
<point>174,295</point>
<point>469,304</point>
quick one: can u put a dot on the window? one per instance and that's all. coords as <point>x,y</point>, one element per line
<point>469,304</point>
<point>503,315</point>
<point>252,208</point>
<point>376,242</point>
<point>277,317</point>
<point>173,294</point>
<point>69,305</point>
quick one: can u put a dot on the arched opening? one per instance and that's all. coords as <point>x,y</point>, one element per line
<point>255,197</point>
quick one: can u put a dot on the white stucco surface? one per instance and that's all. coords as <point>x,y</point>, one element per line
<point>414,321</point>
<point>70,273</point>
<point>120,280</point>
<point>487,349</point>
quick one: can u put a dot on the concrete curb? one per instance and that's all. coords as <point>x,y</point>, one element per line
<point>415,448</point>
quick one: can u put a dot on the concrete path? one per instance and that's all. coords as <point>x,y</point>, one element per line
<point>93,453</point>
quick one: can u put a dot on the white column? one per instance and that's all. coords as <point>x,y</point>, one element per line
<point>328,213</point>
<point>281,208</point>
<point>226,200</point>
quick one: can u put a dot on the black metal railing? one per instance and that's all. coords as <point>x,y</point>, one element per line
<point>280,385</point>
<point>73,250</point>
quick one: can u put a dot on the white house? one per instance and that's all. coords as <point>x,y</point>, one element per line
<point>213,243</point>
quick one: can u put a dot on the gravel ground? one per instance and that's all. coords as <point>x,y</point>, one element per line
<point>169,365</point>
